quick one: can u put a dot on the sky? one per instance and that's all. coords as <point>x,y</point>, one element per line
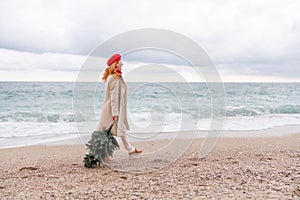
<point>248,41</point>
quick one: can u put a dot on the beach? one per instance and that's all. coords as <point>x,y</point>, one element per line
<point>236,168</point>
<point>208,91</point>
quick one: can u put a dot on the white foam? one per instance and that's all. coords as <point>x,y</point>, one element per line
<point>27,133</point>
<point>261,122</point>
<point>24,129</point>
<point>148,122</point>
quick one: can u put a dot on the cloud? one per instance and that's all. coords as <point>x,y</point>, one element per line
<point>26,61</point>
<point>28,66</point>
<point>24,66</point>
<point>242,37</point>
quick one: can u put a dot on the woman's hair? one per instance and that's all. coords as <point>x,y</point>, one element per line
<point>109,71</point>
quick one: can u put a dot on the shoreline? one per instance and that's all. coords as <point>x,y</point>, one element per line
<point>76,138</point>
<point>235,168</point>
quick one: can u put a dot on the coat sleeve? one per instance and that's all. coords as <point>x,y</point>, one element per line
<point>114,87</point>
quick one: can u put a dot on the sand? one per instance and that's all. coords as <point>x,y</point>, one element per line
<point>237,168</point>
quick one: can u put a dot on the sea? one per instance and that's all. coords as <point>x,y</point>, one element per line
<point>47,112</point>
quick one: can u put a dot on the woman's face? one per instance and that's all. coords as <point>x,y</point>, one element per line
<point>119,65</point>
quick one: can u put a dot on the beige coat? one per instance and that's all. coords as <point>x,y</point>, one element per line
<point>114,104</point>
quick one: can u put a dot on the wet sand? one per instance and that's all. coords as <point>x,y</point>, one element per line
<point>237,168</point>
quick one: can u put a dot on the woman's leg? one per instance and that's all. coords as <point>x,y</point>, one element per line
<point>126,143</point>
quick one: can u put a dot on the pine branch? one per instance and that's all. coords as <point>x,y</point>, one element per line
<point>101,146</point>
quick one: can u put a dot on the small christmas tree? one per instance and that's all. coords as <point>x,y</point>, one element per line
<point>101,146</point>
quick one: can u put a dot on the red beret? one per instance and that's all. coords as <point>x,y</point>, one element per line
<point>113,58</point>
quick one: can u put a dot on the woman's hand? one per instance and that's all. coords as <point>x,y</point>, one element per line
<point>115,118</point>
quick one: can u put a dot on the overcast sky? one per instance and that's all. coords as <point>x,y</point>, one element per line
<point>247,40</point>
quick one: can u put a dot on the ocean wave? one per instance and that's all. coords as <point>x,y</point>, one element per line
<point>35,117</point>
<point>46,108</point>
<point>262,110</point>
<point>149,123</point>
<point>42,117</point>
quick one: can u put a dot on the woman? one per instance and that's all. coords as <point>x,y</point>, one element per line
<point>114,107</point>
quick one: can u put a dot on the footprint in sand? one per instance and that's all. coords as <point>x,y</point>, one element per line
<point>160,161</point>
<point>28,168</point>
